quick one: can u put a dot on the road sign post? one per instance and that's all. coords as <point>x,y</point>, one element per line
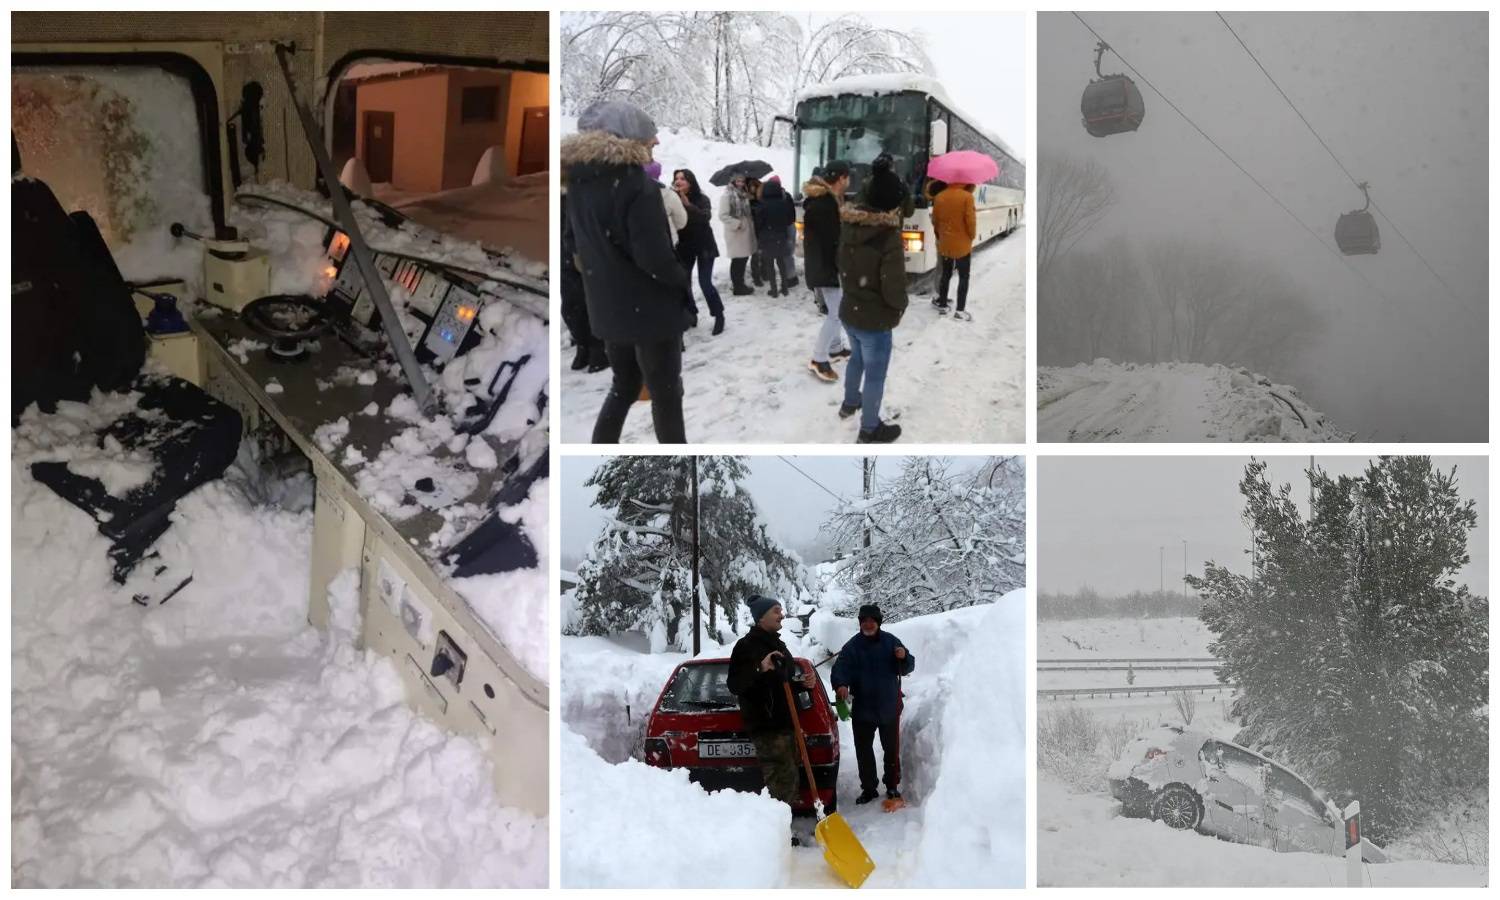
<point>1352,838</point>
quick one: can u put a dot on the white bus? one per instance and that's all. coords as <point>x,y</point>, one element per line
<point>911,118</point>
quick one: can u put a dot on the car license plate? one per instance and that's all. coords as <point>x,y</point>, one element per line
<point>726,750</point>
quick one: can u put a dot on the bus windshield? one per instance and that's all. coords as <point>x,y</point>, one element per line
<point>858,128</point>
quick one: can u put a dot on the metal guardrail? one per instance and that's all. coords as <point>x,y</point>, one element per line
<point>1147,690</point>
<point>1136,659</point>
<point>1185,667</point>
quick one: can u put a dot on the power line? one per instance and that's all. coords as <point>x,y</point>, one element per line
<point>1421,321</point>
<point>1334,156</point>
<point>812,479</point>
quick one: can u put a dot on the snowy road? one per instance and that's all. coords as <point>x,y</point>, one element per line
<point>952,381</point>
<point>1184,402</point>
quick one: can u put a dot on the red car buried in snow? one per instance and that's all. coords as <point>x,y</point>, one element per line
<point>696,725</point>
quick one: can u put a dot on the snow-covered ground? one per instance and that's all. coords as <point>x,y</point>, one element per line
<point>1082,840</point>
<point>1187,402</point>
<point>219,740</point>
<point>950,381</point>
<point>962,752</point>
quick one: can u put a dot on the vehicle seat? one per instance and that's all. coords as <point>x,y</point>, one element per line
<point>75,328</point>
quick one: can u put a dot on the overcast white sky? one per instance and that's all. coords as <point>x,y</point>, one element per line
<point>980,59</point>
<point>1402,98</point>
<point>794,506</point>
<point>1103,521</point>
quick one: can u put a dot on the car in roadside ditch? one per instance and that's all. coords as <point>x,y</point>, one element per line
<point>1189,779</point>
<point>696,725</point>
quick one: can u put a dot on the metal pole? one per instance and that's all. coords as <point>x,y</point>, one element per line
<point>363,258</point>
<point>697,629</point>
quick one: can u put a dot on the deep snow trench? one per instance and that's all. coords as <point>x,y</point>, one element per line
<point>219,740</point>
<point>963,753</point>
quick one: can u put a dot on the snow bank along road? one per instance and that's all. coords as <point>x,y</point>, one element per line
<point>962,770</point>
<point>1105,401</point>
<point>219,740</point>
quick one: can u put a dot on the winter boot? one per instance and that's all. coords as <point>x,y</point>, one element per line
<point>866,796</point>
<point>884,433</point>
<point>741,290</point>
<point>823,370</point>
<point>581,358</point>
<point>718,324</point>
<point>840,355</point>
<point>963,315</point>
<point>598,360</point>
<point>893,801</point>
<point>790,283</point>
<point>847,411</point>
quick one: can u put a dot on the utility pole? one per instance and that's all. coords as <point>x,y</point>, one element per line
<point>869,468</point>
<point>697,629</point>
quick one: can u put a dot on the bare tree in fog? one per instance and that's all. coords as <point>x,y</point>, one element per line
<point>1075,196</point>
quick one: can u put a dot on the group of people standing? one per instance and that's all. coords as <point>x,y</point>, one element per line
<point>631,243</point>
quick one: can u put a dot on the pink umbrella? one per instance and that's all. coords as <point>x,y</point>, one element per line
<point>962,167</point>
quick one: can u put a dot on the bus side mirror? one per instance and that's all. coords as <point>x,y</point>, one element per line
<point>938,143</point>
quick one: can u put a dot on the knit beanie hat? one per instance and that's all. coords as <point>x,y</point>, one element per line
<point>884,190</point>
<point>871,611</point>
<point>759,606</point>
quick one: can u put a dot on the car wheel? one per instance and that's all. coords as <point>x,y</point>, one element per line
<point>1178,807</point>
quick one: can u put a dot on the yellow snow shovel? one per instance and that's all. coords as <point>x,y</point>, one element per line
<point>841,849</point>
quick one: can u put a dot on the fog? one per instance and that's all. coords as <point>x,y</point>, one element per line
<point>1402,101</point>
<point>1117,524</point>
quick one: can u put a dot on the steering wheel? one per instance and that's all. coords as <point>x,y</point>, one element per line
<point>289,320</point>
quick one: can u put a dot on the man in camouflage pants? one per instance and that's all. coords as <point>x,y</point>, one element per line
<point>755,677</point>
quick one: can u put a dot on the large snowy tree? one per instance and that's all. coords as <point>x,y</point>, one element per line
<point>726,74</point>
<point>638,574</point>
<point>936,536</point>
<point>1357,657</point>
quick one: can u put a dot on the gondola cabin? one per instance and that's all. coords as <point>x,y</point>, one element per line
<point>1357,233</point>
<point>1112,105</point>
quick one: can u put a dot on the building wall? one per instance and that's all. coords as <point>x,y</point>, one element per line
<point>526,89</point>
<point>421,120</point>
<point>466,143</point>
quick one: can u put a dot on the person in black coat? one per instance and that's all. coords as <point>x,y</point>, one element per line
<point>822,198</point>
<point>757,670</point>
<point>575,312</point>
<point>870,667</point>
<point>634,284</point>
<point>774,217</point>
<point>696,244</point>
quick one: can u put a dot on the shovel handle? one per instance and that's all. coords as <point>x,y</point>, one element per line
<point>812,783</point>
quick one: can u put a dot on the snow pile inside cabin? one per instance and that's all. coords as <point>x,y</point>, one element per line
<point>631,825</point>
<point>751,383</point>
<point>507,214</point>
<point>1108,401</point>
<point>218,740</point>
<point>514,341</point>
<point>123,143</point>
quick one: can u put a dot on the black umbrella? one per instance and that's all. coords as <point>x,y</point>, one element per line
<point>750,168</point>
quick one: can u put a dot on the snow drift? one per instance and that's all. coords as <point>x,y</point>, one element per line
<point>630,825</point>
<point>1108,401</point>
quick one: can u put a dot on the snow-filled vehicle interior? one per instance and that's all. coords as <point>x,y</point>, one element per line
<point>182,244</point>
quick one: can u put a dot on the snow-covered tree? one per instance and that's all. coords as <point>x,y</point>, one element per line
<point>726,74</point>
<point>638,573</point>
<point>935,537</point>
<point>1359,660</point>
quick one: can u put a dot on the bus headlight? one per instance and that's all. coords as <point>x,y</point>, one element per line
<point>913,241</point>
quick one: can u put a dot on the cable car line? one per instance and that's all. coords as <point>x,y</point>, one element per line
<point>1232,160</point>
<point>1338,162</point>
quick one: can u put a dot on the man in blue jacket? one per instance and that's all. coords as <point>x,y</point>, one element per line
<point>870,667</point>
